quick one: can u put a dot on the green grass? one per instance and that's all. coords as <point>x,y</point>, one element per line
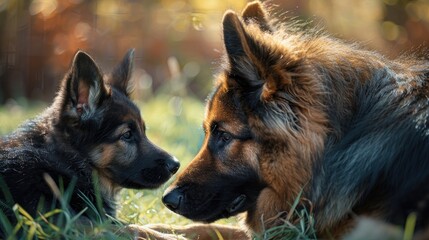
<point>297,224</point>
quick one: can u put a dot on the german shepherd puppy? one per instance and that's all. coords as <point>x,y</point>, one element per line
<point>296,112</point>
<point>91,127</point>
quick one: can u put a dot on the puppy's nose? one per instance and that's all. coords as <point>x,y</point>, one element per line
<point>172,165</point>
<point>173,199</point>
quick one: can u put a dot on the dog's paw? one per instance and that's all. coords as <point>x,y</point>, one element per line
<point>144,232</point>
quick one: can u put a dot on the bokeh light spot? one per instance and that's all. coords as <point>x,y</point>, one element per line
<point>191,69</point>
<point>390,30</point>
<point>45,7</point>
<point>82,30</point>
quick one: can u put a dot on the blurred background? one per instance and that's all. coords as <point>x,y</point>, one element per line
<point>177,42</point>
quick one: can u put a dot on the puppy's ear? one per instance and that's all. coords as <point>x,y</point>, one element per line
<point>83,90</point>
<point>120,78</point>
<point>256,13</point>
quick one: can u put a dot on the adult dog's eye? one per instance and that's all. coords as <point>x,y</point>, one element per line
<point>126,136</point>
<point>225,137</point>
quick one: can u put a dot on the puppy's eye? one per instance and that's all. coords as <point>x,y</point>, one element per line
<point>126,136</point>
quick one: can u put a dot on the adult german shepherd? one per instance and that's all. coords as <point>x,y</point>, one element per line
<point>91,127</point>
<point>296,112</point>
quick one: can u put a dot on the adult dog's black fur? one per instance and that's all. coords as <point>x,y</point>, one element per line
<point>91,127</point>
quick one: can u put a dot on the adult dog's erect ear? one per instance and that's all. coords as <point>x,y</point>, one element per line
<point>120,78</point>
<point>255,13</point>
<point>256,64</point>
<point>239,48</point>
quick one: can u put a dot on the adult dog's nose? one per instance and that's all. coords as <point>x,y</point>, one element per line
<point>172,199</point>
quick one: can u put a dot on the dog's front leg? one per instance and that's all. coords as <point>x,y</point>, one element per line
<point>143,232</point>
<point>202,231</point>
